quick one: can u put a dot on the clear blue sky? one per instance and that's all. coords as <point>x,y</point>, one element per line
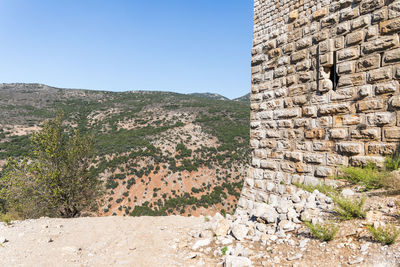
<point>183,46</point>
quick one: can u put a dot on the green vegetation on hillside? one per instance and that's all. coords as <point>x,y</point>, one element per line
<point>131,131</point>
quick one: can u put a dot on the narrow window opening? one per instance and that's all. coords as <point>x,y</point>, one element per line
<point>333,74</point>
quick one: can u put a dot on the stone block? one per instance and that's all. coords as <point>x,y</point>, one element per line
<point>396,71</point>
<point>348,53</point>
<point>285,123</point>
<point>293,15</point>
<point>320,13</point>
<point>272,134</point>
<point>305,77</point>
<point>343,94</point>
<point>315,134</point>
<point>351,119</point>
<point>339,133</point>
<point>322,145</point>
<point>350,148</point>
<point>339,43</point>
<point>395,102</point>
<point>355,38</point>
<point>275,53</point>
<point>326,60</point>
<point>287,113</point>
<point>359,161</point>
<point>386,88</point>
<point>346,67</point>
<point>329,21</point>
<point>372,32</point>
<point>381,118</point>
<point>349,13</point>
<point>381,149</point>
<point>291,80</point>
<point>336,160</point>
<point>326,46</point>
<point>322,171</point>
<point>300,100</point>
<point>280,72</point>
<point>321,36</point>
<point>288,167</point>
<point>303,43</point>
<point>303,65</point>
<point>288,48</point>
<point>380,74</point>
<point>343,28</point>
<point>370,105</point>
<point>390,26</point>
<point>380,15</point>
<point>392,133</point>
<point>299,56</point>
<point>367,6</point>
<point>316,158</point>
<point>392,56</point>
<point>297,90</point>
<point>332,109</point>
<point>352,80</point>
<point>380,44</point>
<point>309,111</point>
<point>361,22</point>
<point>367,63</point>
<point>366,134</point>
<point>268,164</point>
<point>294,156</point>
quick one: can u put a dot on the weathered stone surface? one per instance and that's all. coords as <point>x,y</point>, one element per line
<point>380,44</point>
<point>349,148</point>
<point>370,5</point>
<point>391,87</point>
<point>320,13</point>
<point>380,74</point>
<point>304,124</point>
<point>370,105</point>
<point>348,53</point>
<point>333,109</point>
<point>390,26</point>
<point>392,133</point>
<point>370,62</point>
<point>339,133</point>
<point>237,261</point>
<point>239,231</point>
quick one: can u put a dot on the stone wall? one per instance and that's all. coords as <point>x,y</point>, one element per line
<point>325,92</point>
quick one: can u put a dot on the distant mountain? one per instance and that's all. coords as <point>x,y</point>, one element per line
<point>210,96</point>
<point>158,153</point>
<point>245,98</point>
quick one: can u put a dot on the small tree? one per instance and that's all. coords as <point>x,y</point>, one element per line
<point>54,180</point>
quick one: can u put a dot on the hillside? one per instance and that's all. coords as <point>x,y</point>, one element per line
<point>245,98</point>
<point>158,153</point>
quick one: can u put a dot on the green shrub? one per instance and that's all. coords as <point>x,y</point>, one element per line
<point>393,163</point>
<point>347,208</point>
<point>321,187</point>
<point>224,250</point>
<point>5,218</point>
<point>369,176</point>
<point>324,232</point>
<point>55,179</point>
<point>386,235</point>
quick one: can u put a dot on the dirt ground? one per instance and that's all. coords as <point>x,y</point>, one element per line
<point>106,241</point>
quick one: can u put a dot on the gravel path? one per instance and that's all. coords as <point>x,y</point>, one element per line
<point>106,241</point>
